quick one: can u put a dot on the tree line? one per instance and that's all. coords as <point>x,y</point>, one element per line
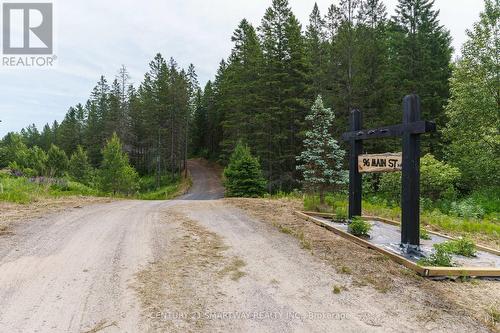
<point>354,56</point>
<point>151,121</point>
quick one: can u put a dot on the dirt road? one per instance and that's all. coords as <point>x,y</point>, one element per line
<point>193,264</point>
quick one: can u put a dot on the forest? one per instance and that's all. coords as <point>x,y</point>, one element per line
<point>355,56</point>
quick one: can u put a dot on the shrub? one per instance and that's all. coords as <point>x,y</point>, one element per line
<point>463,246</point>
<point>116,175</point>
<point>243,176</point>
<point>37,161</point>
<point>439,258</point>
<point>79,166</point>
<point>57,162</point>
<point>359,227</point>
<point>467,208</point>
<point>13,150</point>
<point>437,180</point>
<point>488,199</point>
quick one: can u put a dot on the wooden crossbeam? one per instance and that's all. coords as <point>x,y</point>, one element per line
<point>417,127</point>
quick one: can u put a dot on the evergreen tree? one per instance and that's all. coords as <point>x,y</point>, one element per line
<point>116,175</point>
<point>473,109</point>
<point>241,88</point>
<point>14,149</point>
<point>70,131</point>
<point>286,90</point>
<point>79,166</point>
<point>243,176</point>
<point>31,135</point>
<point>57,162</point>
<point>317,50</point>
<point>342,67</point>
<point>46,137</point>
<point>199,127</point>
<point>214,103</point>
<point>97,109</point>
<point>372,89</point>
<point>37,161</point>
<point>322,158</point>
<point>421,61</point>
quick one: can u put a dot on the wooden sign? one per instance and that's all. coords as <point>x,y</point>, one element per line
<point>410,131</point>
<point>380,163</point>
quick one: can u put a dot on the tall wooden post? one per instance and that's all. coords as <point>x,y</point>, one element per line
<point>355,180</point>
<point>410,192</point>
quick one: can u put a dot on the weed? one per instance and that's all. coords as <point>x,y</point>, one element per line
<point>233,269</point>
<point>336,289</point>
<point>359,227</point>
<point>440,258</point>
<point>304,243</point>
<point>494,315</point>
<point>285,229</point>
<point>345,270</point>
<point>463,246</point>
<point>424,234</point>
<point>434,216</point>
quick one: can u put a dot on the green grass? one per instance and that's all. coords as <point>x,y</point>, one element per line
<point>20,190</point>
<point>174,187</point>
<point>163,193</point>
<point>489,225</point>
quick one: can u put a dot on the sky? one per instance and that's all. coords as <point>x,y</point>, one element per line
<point>95,37</point>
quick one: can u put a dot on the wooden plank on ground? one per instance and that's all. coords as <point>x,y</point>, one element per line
<point>422,270</point>
<point>397,223</point>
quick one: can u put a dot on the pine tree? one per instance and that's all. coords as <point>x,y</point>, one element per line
<point>317,50</point>
<point>422,55</point>
<point>46,137</point>
<point>286,90</point>
<point>372,90</point>
<point>243,176</point>
<point>57,162</point>
<point>322,158</point>
<point>79,166</point>
<point>342,67</point>
<point>241,88</point>
<point>116,175</point>
<point>31,135</point>
<point>214,96</point>
<point>70,131</point>
<point>96,109</point>
<point>37,161</point>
